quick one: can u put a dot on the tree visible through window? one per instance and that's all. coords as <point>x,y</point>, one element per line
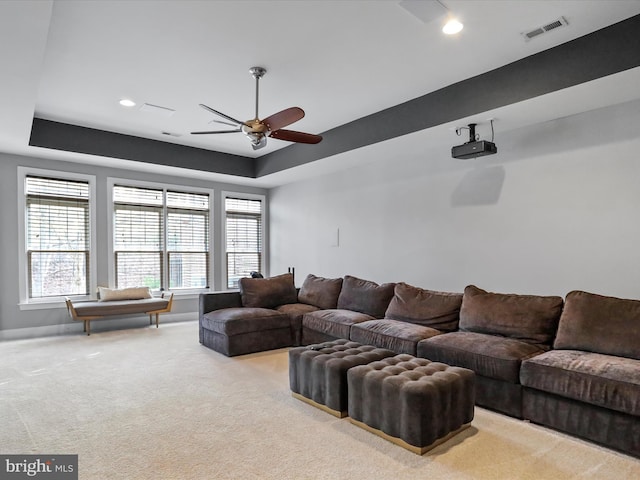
<point>244,238</point>
<point>57,236</point>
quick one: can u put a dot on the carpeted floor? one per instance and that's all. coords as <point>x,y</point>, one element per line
<point>154,404</point>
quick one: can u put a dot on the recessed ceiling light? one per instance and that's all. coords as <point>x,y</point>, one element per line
<point>452,26</point>
<point>125,102</point>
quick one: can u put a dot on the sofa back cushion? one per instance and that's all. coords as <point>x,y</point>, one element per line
<point>320,292</point>
<point>439,310</point>
<point>529,318</point>
<point>600,324</point>
<point>365,296</point>
<point>268,292</point>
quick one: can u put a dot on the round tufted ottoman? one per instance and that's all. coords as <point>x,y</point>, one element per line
<point>410,401</point>
<point>318,373</point>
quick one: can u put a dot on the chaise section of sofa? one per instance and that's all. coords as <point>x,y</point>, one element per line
<point>497,332</point>
<point>589,384</point>
<point>414,314</point>
<point>358,301</point>
<point>263,315</point>
<point>266,313</point>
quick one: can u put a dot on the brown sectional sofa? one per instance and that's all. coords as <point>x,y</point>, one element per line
<point>572,365</point>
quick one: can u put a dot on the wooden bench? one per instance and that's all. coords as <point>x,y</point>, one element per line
<point>96,310</point>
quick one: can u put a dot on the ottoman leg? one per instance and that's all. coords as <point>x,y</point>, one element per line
<point>324,408</point>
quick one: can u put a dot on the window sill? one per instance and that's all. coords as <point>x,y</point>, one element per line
<point>59,302</point>
<point>42,305</point>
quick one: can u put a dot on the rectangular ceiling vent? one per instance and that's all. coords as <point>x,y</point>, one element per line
<point>171,134</point>
<point>536,32</point>
<point>157,110</point>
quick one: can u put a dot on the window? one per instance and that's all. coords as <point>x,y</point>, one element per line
<point>188,240</point>
<point>161,238</point>
<point>243,238</point>
<point>56,233</point>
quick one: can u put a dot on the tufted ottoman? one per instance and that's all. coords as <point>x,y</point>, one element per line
<point>318,373</point>
<point>413,402</point>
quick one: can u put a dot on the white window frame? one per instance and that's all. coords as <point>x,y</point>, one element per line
<point>223,216</point>
<point>26,303</point>
<point>112,181</point>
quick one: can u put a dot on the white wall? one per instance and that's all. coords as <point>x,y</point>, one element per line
<point>557,209</point>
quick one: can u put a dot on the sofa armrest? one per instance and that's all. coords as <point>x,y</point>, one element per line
<point>217,300</point>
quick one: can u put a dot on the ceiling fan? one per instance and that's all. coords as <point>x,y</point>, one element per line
<point>258,130</point>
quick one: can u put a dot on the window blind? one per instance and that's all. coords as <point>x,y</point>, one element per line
<point>138,241</point>
<point>159,231</point>
<point>244,238</point>
<point>188,239</point>
<point>57,236</point>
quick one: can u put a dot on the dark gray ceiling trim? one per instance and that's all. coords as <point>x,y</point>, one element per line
<point>73,138</point>
<point>607,51</point>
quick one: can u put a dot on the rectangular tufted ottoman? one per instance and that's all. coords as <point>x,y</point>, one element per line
<point>413,402</point>
<point>318,373</point>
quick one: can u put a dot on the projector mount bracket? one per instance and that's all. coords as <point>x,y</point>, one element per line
<point>472,132</point>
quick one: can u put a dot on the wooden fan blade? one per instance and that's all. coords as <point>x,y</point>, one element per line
<point>209,109</point>
<point>216,131</point>
<point>298,137</point>
<point>283,118</point>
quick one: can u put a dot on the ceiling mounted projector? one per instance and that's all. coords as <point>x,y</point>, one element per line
<point>473,148</point>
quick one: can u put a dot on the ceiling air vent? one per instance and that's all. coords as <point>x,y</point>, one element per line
<point>157,110</point>
<point>536,32</point>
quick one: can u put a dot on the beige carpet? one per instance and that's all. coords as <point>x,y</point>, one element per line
<point>154,404</point>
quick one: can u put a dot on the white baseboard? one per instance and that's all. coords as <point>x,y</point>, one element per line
<point>96,326</point>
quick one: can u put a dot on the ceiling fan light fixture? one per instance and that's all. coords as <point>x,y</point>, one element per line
<point>125,102</point>
<point>452,26</point>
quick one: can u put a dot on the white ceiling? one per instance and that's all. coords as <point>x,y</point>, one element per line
<point>72,61</point>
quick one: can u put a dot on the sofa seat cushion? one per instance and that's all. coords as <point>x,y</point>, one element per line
<point>120,307</point>
<point>439,310</point>
<point>603,380</point>
<point>600,324</point>
<point>296,311</point>
<point>395,335</point>
<point>335,322</point>
<point>236,321</point>
<point>487,355</point>
<point>529,318</point>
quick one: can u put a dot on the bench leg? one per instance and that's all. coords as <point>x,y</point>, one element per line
<point>157,316</point>
<point>88,329</point>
